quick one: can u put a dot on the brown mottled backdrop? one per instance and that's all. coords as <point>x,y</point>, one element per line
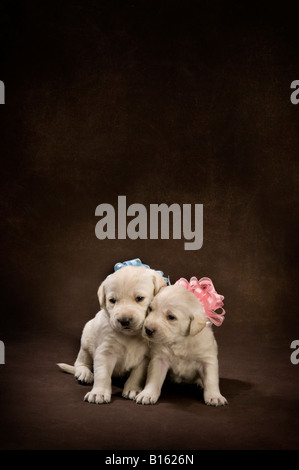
<point>174,102</point>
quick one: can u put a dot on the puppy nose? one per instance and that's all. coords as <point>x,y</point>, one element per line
<point>124,321</point>
<point>149,331</point>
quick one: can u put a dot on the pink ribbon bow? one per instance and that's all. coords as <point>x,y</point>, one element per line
<point>206,293</point>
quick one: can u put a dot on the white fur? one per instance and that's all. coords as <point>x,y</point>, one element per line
<point>183,347</point>
<point>112,342</point>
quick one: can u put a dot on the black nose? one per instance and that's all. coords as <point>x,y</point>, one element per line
<point>124,321</point>
<point>149,331</point>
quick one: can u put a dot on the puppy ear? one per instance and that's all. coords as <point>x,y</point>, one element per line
<point>158,282</point>
<point>102,295</point>
<point>197,323</point>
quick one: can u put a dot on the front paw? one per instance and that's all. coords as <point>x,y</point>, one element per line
<point>131,392</point>
<point>147,398</point>
<point>214,399</point>
<point>98,396</point>
<point>84,375</point>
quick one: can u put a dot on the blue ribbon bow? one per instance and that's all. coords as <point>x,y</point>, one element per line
<point>137,262</point>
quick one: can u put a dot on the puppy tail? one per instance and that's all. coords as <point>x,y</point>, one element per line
<point>66,368</point>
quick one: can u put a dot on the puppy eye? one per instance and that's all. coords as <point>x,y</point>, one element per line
<point>139,298</point>
<point>112,301</point>
<point>149,309</point>
<point>171,317</point>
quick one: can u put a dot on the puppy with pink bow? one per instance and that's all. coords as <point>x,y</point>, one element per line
<point>182,343</point>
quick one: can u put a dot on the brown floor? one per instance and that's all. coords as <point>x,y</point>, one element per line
<point>43,408</point>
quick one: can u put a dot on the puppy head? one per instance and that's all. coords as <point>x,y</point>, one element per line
<point>126,295</point>
<point>173,314</point>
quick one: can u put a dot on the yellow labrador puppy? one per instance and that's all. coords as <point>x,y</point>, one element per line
<point>182,344</point>
<point>112,342</point>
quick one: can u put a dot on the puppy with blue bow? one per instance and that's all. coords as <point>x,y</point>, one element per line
<point>112,342</point>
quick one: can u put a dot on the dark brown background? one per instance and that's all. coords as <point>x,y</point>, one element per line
<point>174,102</point>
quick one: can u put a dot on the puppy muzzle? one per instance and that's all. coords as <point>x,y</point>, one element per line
<point>149,331</point>
<point>125,321</point>
<point>127,324</point>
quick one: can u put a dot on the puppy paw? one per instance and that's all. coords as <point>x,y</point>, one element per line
<point>84,375</point>
<point>98,396</point>
<point>145,398</point>
<point>214,399</point>
<point>131,393</point>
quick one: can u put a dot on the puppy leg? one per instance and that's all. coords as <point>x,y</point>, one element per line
<point>135,382</point>
<point>104,364</point>
<point>157,371</point>
<point>211,393</point>
<point>83,367</point>
<point>83,364</point>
